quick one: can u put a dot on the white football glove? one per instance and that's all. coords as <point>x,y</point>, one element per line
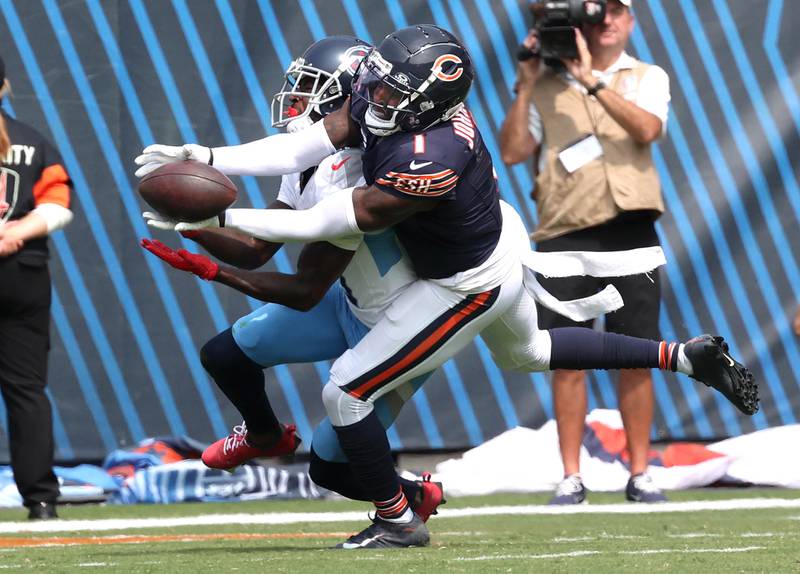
<point>210,223</point>
<point>156,155</point>
<point>159,221</point>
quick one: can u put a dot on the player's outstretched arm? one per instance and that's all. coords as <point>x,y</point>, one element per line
<point>235,247</point>
<point>343,214</point>
<point>319,265</point>
<point>228,245</point>
<point>279,154</point>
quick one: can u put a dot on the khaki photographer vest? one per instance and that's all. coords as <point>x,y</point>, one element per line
<point>623,179</point>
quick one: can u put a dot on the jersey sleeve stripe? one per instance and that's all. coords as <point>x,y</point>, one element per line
<point>445,183</point>
<point>404,175</point>
<point>52,187</point>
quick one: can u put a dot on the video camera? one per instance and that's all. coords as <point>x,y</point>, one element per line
<point>555,22</point>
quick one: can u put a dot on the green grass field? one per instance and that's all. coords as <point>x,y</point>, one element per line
<point>743,540</point>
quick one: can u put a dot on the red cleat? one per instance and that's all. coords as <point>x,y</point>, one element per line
<point>431,496</point>
<point>229,452</point>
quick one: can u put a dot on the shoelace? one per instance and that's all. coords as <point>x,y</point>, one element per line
<point>569,485</point>
<point>645,483</point>
<point>235,440</point>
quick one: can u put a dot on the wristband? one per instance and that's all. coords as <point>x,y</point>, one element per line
<point>596,88</point>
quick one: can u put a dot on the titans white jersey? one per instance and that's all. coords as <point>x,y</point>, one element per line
<point>379,270</point>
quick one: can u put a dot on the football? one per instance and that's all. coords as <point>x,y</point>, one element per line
<point>187,191</point>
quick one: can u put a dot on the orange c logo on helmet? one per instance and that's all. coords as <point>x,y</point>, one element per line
<point>441,61</point>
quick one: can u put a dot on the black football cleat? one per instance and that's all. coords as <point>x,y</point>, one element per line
<point>383,534</point>
<point>42,511</point>
<point>714,367</point>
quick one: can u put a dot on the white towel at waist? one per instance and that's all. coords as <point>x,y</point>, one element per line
<point>594,263</point>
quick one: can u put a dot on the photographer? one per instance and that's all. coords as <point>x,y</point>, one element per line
<point>588,126</point>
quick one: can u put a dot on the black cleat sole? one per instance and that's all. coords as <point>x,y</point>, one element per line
<point>742,391</point>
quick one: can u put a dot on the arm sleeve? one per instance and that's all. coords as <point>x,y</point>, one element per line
<point>332,218</point>
<point>276,155</point>
<point>55,216</point>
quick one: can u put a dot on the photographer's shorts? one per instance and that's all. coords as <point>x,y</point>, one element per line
<point>641,293</point>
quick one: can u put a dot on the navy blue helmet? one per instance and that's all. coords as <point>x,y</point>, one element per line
<point>415,78</point>
<point>323,74</point>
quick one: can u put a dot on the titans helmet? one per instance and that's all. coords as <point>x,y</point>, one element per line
<point>323,74</point>
<point>415,78</point>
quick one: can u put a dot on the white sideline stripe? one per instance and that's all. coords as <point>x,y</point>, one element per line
<point>692,550</point>
<point>579,553</point>
<point>360,516</point>
<point>573,554</point>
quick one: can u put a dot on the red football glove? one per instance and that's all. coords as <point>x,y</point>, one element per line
<point>184,260</point>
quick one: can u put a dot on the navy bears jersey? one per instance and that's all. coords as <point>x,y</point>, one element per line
<point>447,162</point>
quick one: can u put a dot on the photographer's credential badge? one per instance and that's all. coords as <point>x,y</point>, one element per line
<point>578,154</point>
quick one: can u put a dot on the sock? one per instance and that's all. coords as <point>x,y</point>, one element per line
<point>684,364</point>
<point>578,348</point>
<point>668,354</point>
<point>395,509</point>
<point>367,448</point>
<point>241,380</point>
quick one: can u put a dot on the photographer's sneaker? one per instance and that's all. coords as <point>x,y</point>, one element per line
<point>229,452</point>
<point>429,498</point>
<point>714,367</point>
<point>569,491</point>
<point>641,488</point>
<point>384,534</point>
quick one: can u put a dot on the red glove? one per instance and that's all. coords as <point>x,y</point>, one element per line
<point>184,260</point>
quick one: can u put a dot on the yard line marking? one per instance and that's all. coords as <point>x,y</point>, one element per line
<point>576,539</point>
<point>150,539</point>
<point>581,553</point>
<point>573,554</point>
<point>359,516</point>
<point>692,550</point>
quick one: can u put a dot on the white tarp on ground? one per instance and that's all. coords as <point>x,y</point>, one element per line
<point>527,460</point>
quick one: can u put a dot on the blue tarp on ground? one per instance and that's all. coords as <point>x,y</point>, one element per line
<point>166,470</point>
